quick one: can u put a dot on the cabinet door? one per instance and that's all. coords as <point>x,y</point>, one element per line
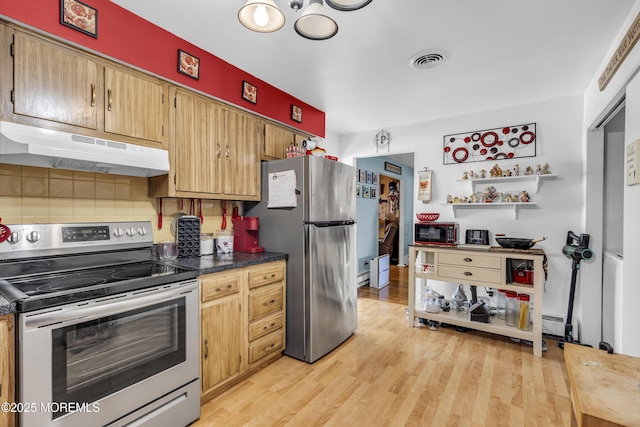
<point>276,141</point>
<point>133,105</point>
<point>7,372</point>
<point>198,144</point>
<point>54,83</point>
<point>221,341</point>
<point>241,155</point>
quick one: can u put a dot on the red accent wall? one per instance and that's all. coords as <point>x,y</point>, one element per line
<point>133,40</point>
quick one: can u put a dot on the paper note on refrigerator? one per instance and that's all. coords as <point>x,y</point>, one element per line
<point>282,190</point>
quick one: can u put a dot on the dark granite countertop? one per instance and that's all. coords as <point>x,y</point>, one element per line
<point>221,262</point>
<point>204,264</point>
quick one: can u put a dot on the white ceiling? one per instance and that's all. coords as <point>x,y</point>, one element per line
<point>501,53</point>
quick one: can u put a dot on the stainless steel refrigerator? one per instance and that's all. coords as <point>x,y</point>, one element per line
<point>319,234</point>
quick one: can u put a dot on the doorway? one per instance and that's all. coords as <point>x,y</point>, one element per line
<point>389,212</point>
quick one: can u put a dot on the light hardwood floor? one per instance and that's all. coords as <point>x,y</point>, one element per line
<point>389,374</point>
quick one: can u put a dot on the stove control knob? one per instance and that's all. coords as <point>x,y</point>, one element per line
<point>118,232</point>
<point>131,232</point>
<point>14,237</point>
<point>33,236</point>
<point>142,231</point>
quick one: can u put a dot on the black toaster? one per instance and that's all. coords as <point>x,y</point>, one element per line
<point>477,237</point>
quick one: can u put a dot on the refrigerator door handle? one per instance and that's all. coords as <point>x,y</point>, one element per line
<point>330,223</point>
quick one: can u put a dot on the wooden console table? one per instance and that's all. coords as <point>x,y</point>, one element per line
<point>481,268</point>
<point>605,388</point>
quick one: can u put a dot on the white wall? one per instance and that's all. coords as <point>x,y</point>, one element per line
<point>559,202</point>
<point>596,105</point>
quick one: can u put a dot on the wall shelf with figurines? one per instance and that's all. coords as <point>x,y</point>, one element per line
<point>496,174</point>
<point>492,198</point>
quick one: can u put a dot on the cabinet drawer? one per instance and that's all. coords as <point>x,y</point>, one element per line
<point>264,303</point>
<point>266,275</point>
<point>265,346</point>
<point>472,260</point>
<point>470,274</point>
<point>264,327</point>
<point>216,286</point>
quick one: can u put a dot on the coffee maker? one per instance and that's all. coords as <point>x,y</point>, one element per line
<point>245,235</point>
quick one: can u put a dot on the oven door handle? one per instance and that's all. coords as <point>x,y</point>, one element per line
<point>107,306</point>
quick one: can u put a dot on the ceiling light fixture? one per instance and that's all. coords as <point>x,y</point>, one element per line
<point>348,5</point>
<point>315,24</point>
<point>262,16</point>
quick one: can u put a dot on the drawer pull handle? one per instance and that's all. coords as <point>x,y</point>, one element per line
<point>93,94</point>
<point>269,302</point>
<point>229,286</point>
<point>468,273</point>
<point>269,348</point>
<point>206,348</point>
<point>264,328</point>
<point>468,260</point>
<point>272,276</point>
<point>108,99</point>
<point>218,289</point>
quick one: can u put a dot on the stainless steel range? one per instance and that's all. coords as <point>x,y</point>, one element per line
<point>106,335</point>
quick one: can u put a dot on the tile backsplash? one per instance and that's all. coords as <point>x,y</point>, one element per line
<point>40,195</point>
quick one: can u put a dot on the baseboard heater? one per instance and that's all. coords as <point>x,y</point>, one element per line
<point>379,271</point>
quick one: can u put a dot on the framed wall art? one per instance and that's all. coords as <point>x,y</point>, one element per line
<point>358,190</point>
<point>390,167</point>
<point>363,175</point>
<point>369,177</point>
<point>188,65</point>
<point>365,192</point>
<point>374,179</point>
<point>372,192</point>
<point>249,92</point>
<point>507,142</point>
<point>79,16</point>
<point>296,113</point>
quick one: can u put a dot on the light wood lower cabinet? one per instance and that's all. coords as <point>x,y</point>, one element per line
<point>242,324</point>
<point>7,368</point>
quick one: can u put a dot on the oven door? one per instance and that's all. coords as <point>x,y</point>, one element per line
<point>93,362</point>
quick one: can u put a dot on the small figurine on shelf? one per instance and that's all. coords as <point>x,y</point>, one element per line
<point>465,175</point>
<point>465,199</point>
<point>490,194</point>
<point>474,198</point>
<point>524,196</point>
<point>507,197</point>
<point>538,170</point>
<point>516,170</point>
<point>449,198</point>
<point>483,173</point>
<point>473,175</point>
<point>528,170</point>
<point>506,172</point>
<point>495,171</point>
<point>545,169</point>
<point>456,200</point>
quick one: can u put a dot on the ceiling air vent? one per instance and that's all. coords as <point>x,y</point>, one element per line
<point>427,59</point>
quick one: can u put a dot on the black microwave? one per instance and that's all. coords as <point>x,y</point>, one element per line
<point>436,233</point>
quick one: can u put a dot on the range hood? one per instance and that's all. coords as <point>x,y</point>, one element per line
<point>32,146</point>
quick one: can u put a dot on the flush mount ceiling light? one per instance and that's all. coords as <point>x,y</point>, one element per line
<point>315,24</point>
<point>262,16</point>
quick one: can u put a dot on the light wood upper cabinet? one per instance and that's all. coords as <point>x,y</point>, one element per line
<point>133,105</point>
<point>54,83</point>
<point>241,155</point>
<point>214,151</point>
<point>276,141</point>
<point>198,144</point>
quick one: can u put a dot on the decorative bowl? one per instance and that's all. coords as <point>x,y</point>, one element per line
<point>427,216</point>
